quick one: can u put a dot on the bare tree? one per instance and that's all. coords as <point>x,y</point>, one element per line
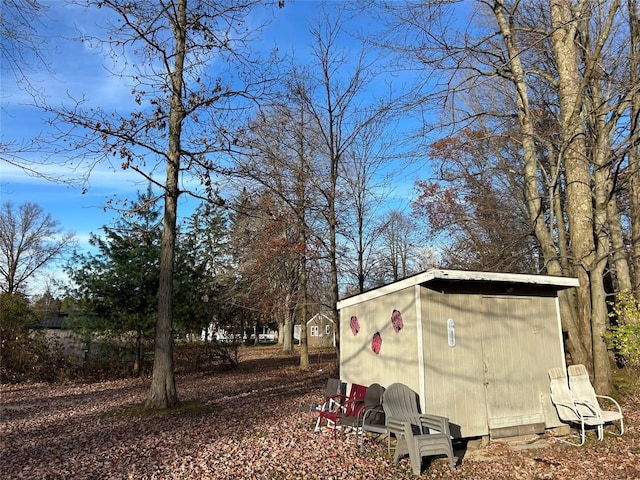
<point>331,92</point>
<point>560,69</point>
<point>22,47</point>
<point>23,50</point>
<point>633,9</point>
<point>317,137</point>
<point>29,240</point>
<point>281,161</point>
<point>397,246</point>
<point>192,76</point>
<point>364,170</point>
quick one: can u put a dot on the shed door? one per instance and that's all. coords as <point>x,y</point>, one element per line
<point>509,346</point>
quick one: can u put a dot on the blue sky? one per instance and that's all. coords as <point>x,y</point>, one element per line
<point>77,70</point>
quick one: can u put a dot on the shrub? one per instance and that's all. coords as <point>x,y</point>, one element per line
<point>27,355</point>
<point>205,357</point>
<point>624,335</point>
<point>110,359</point>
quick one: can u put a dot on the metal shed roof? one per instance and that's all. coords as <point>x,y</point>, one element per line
<point>433,275</point>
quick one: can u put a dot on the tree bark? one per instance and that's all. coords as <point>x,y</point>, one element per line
<point>287,337</point>
<point>163,387</point>
<point>634,152</point>
<point>579,207</point>
<point>576,339</point>
<point>304,344</point>
<point>619,250</point>
<point>602,192</point>
<point>301,207</point>
<point>333,248</point>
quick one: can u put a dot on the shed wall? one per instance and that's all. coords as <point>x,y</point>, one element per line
<point>496,374</point>
<point>522,340</point>
<point>397,360</point>
<point>453,376</point>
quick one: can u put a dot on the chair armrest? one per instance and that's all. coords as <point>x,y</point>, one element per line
<point>593,409</point>
<point>427,422</point>
<point>333,403</point>
<point>395,425</point>
<point>368,411</point>
<point>435,422</point>
<point>612,401</point>
<point>577,414</point>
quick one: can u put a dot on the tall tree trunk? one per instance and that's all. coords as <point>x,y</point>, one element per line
<point>579,207</point>
<point>301,207</point>
<point>634,152</point>
<point>333,256</point>
<point>287,334</point>
<point>602,186</point>
<point>163,387</point>
<point>334,160</point>
<point>619,249</point>
<point>544,235</point>
<point>137,363</point>
<point>605,231</point>
<point>599,312</point>
<point>360,260</point>
<point>280,331</point>
<point>304,345</point>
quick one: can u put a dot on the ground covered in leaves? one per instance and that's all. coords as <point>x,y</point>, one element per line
<point>251,423</point>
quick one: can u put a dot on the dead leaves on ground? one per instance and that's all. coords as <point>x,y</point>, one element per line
<point>249,423</point>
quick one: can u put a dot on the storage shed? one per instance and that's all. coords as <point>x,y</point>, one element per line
<point>476,346</point>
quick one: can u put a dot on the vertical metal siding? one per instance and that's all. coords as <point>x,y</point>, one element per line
<point>509,347</point>
<point>496,374</point>
<point>518,358</point>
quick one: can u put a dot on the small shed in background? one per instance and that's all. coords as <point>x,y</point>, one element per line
<point>476,346</point>
<point>321,331</point>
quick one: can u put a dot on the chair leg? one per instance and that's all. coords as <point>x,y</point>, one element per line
<point>620,428</point>
<point>401,448</point>
<point>452,463</point>
<point>416,460</point>
<point>581,435</point>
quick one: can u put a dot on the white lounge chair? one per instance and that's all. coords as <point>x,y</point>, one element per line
<point>584,393</point>
<point>569,409</point>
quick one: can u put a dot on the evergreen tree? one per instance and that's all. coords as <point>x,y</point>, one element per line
<point>202,270</point>
<point>117,288</point>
